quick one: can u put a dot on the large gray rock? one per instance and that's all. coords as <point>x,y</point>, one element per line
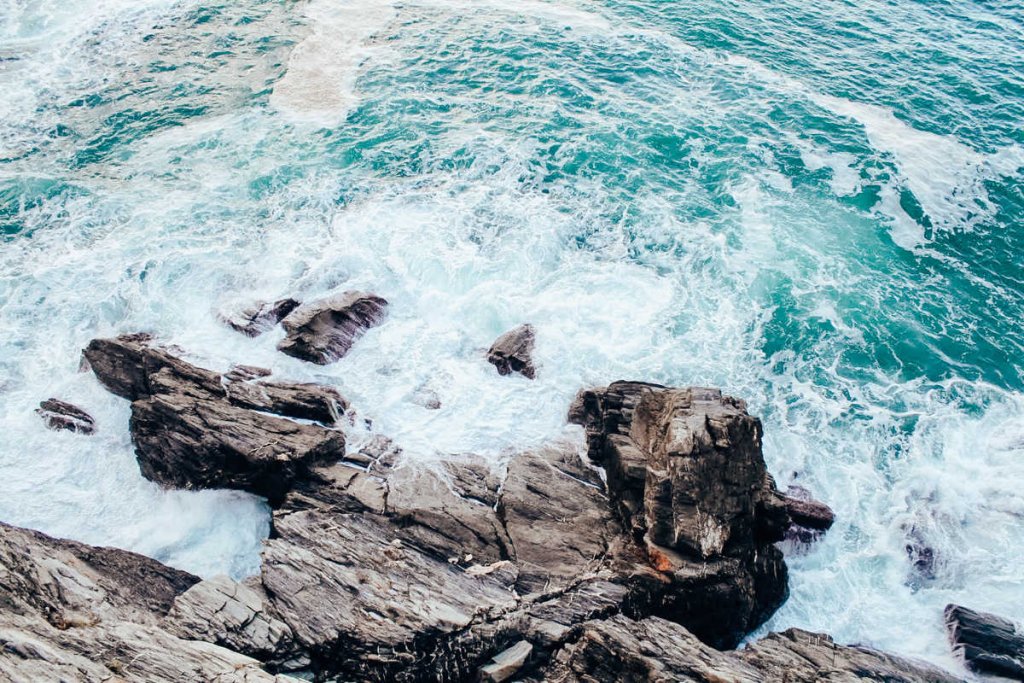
<point>193,428</point>
<point>323,331</point>
<point>687,478</point>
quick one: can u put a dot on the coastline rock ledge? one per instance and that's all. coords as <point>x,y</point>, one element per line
<point>377,569</point>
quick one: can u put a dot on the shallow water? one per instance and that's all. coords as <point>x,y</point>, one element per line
<point>817,208</point>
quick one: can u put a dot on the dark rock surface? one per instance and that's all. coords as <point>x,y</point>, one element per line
<point>513,352</point>
<point>254,320</point>
<point>687,478</point>
<point>323,331</point>
<point>988,644</point>
<point>59,414</point>
<point>193,428</point>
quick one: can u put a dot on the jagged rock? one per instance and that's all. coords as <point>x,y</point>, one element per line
<point>254,320</point>
<point>323,331</point>
<point>653,649</point>
<point>686,475</point>
<point>58,414</point>
<point>73,612</point>
<point>513,352</point>
<point>988,644</point>
<point>808,518</point>
<point>193,428</point>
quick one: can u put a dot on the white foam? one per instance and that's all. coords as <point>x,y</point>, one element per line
<point>319,86</point>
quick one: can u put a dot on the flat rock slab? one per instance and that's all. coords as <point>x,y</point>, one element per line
<point>324,331</point>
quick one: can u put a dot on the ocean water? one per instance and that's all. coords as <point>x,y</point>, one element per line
<point>816,206</point>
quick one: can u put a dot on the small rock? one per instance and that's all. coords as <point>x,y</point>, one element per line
<point>58,414</point>
<point>505,664</point>
<point>324,331</point>
<point>513,352</point>
<point>989,644</point>
<point>256,319</point>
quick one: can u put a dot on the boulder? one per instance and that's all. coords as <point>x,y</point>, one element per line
<point>257,318</point>
<point>513,352</point>
<point>686,475</point>
<point>193,428</point>
<point>323,331</point>
<point>58,414</point>
<point>808,518</point>
<point>987,643</point>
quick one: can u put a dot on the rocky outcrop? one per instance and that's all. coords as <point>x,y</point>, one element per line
<point>808,518</point>
<point>513,352</point>
<point>193,428</point>
<point>621,649</point>
<point>73,612</point>
<point>323,331</point>
<point>59,414</point>
<point>257,318</point>
<point>537,568</point>
<point>987,643</point>
<point>687,478</point>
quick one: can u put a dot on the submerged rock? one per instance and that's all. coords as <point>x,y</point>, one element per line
<point>988,644</point>
<point>687,478</point>
<point>193,428</point>
<point>513,352</point>
<point>323,331</point>
<point>59,414</point>
<point>254,320</point>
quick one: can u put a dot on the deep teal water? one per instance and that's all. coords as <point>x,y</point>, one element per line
<point>817,206</point>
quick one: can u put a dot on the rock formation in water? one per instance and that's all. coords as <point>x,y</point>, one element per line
<point>259,317</point>
<point>513,352</point>
<point>195,428</point>
<point>59,414</point>
<point>534,569</point>
<point>987,643</point>
<point>323,331</point>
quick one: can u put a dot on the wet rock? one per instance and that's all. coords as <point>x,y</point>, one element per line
<point>513,352</point>
<point>73,612</point>
<point>323,331</point>
<point>988,644</point>
<point>808,518</point>
<point>686,475</point>
<point>653,649</point>
<point>193,428</point>
<point>59,414</point>
<point>254,320</point>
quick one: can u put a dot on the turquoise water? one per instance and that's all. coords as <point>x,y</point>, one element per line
<point>817,206</point>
